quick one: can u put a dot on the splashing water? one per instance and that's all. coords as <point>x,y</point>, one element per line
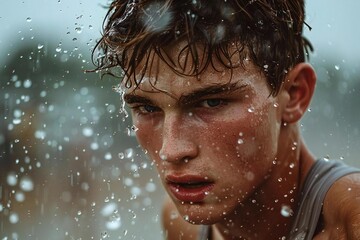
<point>156,17</point>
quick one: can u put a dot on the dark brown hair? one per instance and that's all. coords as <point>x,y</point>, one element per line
<point>269,32</point>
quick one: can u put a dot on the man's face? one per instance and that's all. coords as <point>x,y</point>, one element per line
<point>213,138</point>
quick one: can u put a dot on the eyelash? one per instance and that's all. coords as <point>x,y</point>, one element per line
<point>141,109</point>
<point>219,103</point>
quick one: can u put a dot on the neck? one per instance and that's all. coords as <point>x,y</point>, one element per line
<point>268,213</point>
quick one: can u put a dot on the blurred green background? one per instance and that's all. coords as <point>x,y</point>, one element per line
<point>70,167</point>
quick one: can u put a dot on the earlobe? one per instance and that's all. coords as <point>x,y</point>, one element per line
<point>299,85</point>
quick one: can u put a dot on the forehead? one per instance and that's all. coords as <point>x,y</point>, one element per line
<point>169,82</point>
<point>176,77</point>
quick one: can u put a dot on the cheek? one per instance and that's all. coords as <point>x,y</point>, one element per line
<point>248,139</point>
<point>148,137</point>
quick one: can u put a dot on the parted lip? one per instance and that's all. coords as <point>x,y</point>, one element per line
<point>189,188</point>
<point>187,179</point>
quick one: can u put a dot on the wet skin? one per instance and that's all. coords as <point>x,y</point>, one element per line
<point>226,133</point>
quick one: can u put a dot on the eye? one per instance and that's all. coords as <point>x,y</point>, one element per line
<point>210,103</point>
<point>146,109</point>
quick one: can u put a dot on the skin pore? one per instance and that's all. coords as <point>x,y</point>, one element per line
<point>226,128</point>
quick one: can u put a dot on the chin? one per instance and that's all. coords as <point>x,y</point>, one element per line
<point>200,213</point>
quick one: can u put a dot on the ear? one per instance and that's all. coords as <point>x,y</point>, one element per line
<point>299,86</point>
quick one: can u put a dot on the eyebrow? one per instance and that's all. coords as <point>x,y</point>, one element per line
<point>191,97</point>
<point>209,91</point>
<point>132,98</point>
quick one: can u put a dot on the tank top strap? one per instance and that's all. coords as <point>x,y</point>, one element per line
<point>204,232</point>
<point>320,178</point>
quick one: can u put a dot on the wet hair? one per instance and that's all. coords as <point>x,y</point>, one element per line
<point>268,32</point>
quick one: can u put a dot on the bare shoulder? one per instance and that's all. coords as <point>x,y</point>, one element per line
<point>341,209</point>
<point>175,227</point>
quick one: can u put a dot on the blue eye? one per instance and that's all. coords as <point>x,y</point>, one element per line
<point>148,109</point>
<point>213,102</point>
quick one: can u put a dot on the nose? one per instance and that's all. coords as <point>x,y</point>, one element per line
<point>178,140</point>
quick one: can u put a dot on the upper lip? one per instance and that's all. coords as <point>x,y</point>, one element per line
<point>186,179</point>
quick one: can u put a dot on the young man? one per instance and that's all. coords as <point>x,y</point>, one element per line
<point>216,90</point>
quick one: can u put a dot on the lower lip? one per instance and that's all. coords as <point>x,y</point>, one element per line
<point>193,195</point>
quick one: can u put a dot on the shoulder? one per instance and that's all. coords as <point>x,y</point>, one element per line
<point>175,227</point>
<point>341,208</point>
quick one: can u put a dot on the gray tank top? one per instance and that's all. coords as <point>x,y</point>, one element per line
<point>320,178</point>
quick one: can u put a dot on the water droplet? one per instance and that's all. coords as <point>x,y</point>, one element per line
<point>240,141</point>
<point>129,153</point>
<point>17,113</point>
<point>286,211</point>
<point>40,134</point>
<point>108,209</point>
<point>292,165</point>
<point>337,67</point>
<point>276,105</point>
<point>27,83</point>
<point>87,131</point>
<point>134,128</point>
<point>19,196</point>
<point>40,46</point>
<point>186,218</point>
<point>85,186</point>
<point>114,223</point>
<point>121,155</point>
<point>12,179</point>
<point>58,49</point>
<point>104,235</point>
<point>280,179</point>
<point>128,182</point>
<point>144,165</point>
<point>163,157</point>
<point>16,121</point>
<point>78,29</point>
<point>150,187</point>
<point>108,156</point>
<point>174,215</point>
<point>250,176</point>
<point>14,218</point>
<point>26,184</point>
<point>94,146</point>
<point>135,191</point>
<point>251,109</point>
<point>28,19</point>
